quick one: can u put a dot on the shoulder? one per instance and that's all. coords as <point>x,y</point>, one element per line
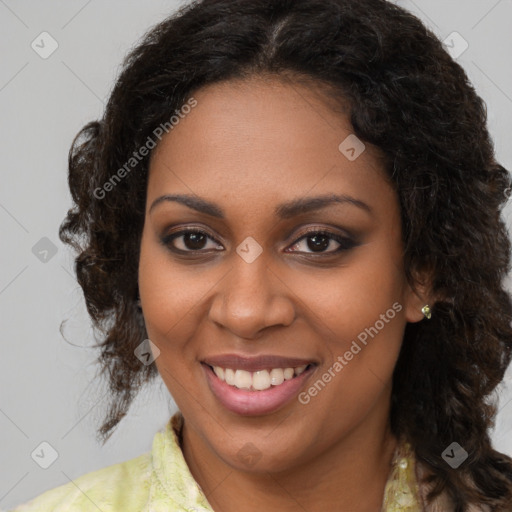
<point>119,487</point>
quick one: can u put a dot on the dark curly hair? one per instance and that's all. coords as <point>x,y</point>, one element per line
<point>407,97</point>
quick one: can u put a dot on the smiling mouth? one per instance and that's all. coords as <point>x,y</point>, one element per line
<point>258,380</point>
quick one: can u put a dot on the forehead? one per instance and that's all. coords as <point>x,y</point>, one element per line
<point>257,141</point>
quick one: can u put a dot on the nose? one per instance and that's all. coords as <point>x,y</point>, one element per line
<point>251,298</point>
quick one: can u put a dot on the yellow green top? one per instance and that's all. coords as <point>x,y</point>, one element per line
<point>160,481</point>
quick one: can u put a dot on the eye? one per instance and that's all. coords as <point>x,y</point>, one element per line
<point>318,240</point>
<point>192,240</point>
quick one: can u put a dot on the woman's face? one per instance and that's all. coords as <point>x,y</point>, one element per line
<point>259,290</point>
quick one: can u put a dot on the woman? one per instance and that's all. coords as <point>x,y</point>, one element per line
<point>290,211</point>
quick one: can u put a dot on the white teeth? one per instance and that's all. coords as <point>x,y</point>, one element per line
<point>243,379</point>
<point>219,372</point>
<point>300,369</point>
<point>229,376</point>
<point>276,376</point>
<point>288,373</point>
<point>259,380</point>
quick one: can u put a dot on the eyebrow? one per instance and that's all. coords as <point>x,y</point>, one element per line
<point>283,210</point>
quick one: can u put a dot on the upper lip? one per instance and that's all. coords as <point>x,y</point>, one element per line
<point>253,364</point>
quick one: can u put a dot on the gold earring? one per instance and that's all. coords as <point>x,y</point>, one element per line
<point>426,311</point>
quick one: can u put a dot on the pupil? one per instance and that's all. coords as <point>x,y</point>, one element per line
<point>319,242</point>
<point>194,241</point>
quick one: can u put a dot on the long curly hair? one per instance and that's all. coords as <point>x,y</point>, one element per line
<point>406,96</point>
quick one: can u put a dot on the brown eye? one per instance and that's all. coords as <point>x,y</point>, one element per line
<point>189,240</point>
<point>318,241</point>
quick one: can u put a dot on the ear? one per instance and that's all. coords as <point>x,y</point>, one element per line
<point>418,295</point>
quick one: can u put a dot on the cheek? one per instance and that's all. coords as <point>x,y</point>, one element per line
<point>170,297</point>
<point>360,310</point>
<point>166,294</point>
<point>354,296</point>
<point>363,348</point>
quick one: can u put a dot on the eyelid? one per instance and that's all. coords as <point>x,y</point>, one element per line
<point>322,229</point>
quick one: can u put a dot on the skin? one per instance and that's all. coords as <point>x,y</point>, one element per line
<point>248,146</point>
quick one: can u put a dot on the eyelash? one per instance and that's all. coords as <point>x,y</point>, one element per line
<point>346,243</point>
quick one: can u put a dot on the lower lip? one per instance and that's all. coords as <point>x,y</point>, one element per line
<point>253,403</point>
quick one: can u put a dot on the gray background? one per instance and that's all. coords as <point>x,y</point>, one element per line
<point>47,387</point>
